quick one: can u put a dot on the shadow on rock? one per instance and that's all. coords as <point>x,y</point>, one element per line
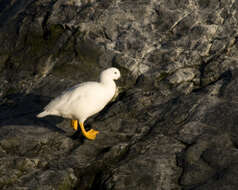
<point>20,109</point>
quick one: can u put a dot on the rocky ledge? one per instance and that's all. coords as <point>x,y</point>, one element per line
<point>173,124</point>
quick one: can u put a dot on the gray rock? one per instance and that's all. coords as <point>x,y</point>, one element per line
<point>173,124</point>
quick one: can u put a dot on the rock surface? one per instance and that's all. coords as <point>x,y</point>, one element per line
<point>174,122</point>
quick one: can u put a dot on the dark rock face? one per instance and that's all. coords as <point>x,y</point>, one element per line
<point>174,122</point>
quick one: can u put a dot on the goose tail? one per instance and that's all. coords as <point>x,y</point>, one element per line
<point>43,114</point>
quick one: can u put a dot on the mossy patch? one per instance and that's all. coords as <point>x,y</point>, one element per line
<point>67,184</point>
<point>77,56</point>
<point>88,53</point>
<point>42,43</point>
<point>10,145</point>
<point>162,76</point>
<point>3,59</point>
<point>7,181</point>
<point>25,62</point>
<point>55,31</point>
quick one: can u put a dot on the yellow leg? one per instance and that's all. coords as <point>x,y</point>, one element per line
<point>91,134</point>
<point>75,124</point>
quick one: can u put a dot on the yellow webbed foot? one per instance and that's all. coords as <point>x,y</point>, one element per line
<point>75,124</point>
<point>91,134</point>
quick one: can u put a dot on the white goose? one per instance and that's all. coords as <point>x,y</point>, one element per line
<point>84,100</point>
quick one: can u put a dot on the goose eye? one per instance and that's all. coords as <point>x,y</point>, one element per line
<point>115,72</point>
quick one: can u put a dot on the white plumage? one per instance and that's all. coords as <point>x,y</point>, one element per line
<point>85,99</point>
